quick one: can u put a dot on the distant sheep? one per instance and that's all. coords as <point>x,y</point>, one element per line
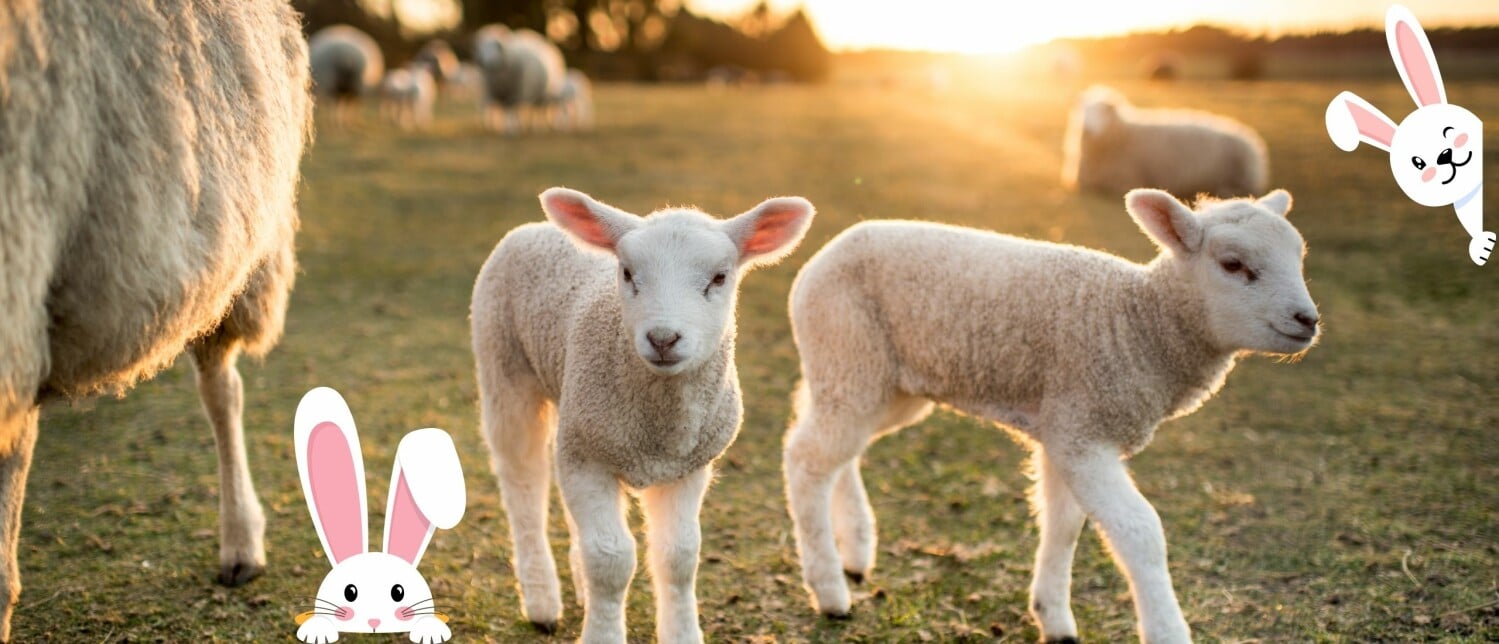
<point>407,97</point>
<point>1080,353</point>
<point>608,339</point>
<point>346,66</point>
<point>1111,147</point>
<point>438,57</point>
<point>150,168</point>
<point>575,102</point>
<point>523,72</point>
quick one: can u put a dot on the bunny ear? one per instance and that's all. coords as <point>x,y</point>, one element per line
<point>332,470</point>
<point>426,493</point>
<point>1412,53</point>
<point>1351,119</point>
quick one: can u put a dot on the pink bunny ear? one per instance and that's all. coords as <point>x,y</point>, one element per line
<point>1413,57</point>
<point>332,471</point>
<point>426,493</point>
<point>1351,119</point>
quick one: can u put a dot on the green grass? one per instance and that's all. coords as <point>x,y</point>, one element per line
<point>1348,497</point>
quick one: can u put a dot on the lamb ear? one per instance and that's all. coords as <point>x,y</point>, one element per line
<point>332,471</point>
<point>771,230</point>
<point>1169,222</point>
<point>588,221</point>
<point>1278,202</point>
<point>426,493</point>
<point>1351,119</point>
<point>1412,53</point>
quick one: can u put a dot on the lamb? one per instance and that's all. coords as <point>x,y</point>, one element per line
<point>523,71</point>
<point>1080,354</point>
<point>1111,147</point>
<point>150,167</point>
<point>407,97</point>
<point>575,102</point>
<point>438,57</point>
<point>346,65</point>
<point>611,336</point>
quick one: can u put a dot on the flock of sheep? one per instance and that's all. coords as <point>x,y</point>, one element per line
<point>514,73</point>
<point>603,339</point>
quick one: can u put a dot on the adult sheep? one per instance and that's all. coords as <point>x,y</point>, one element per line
<point>523,71</point>
<point>346,65</point>
<point>150,167</point>
<point>1111,147</point>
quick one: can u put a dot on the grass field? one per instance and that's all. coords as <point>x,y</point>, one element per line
<point>1353,496</point>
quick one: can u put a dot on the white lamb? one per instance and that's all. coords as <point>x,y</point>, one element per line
<point>614,340</point>
<point>407,97</point>
<point>150,170</point>
<point>523,72</point>
<point>1111,147</point>
<point>575,102</point>
<point>346,65</point>
<point>1079,353</point>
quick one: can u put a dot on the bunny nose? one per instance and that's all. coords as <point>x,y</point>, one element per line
<point>374,623</point>
<point>663,340</point>
<point>1308,320</point>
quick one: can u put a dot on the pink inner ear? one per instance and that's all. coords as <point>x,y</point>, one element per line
<point>406,527</point>
<point>335,491</point>
<point>774,228</point>
<point>577,218</point>
<point>1417,67</point>
<point>1370,125</point>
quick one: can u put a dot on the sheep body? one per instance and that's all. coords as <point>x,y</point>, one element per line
<point>152,156</point>
<point>1079,353</point>
<point>522,71</point>
<point>408,96</point>
<point>346,62</point>
<point>438,57</point>
<point>575,101</point>
<point>1111,147</point>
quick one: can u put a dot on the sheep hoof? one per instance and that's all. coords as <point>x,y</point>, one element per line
<point>1063,640</point>
<point>856,577</point>
<point>545,628</point>
<point>239,573</point>
<point>837,616</point>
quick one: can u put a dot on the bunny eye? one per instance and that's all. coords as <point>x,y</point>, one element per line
<point>1419,163</point>
<point>351,593</point>
<point>397,593</point>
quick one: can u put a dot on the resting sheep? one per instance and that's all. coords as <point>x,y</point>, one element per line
<point>407,96</point>
<point>346,65</point>
<point>150,162</point>
<point>614,341</point>
<point>1111,147</point>
<point>1079,353</point>
<point>523,71</point>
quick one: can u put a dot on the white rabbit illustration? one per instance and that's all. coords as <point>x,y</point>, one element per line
<point>1436,153</point>
<point>373,592</point>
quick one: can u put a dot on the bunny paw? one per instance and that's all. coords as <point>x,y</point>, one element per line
<point>430,630</point>
<point>318,630</point>
<point>1480,247</point>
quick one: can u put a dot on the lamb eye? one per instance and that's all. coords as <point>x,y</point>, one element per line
<point>719,279</point>
<point>629,277</point>
<point>1231,265</point>
<point>1419,163</point>
<point>397,593</point>
<point>351,593</point>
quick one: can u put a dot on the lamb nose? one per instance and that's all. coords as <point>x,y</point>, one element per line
<point>663,339</point>
<point>1306,320</point>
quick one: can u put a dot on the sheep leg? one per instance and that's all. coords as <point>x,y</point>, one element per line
<point>853,522</point>
<point>817,449</point>
<point>1103,489</point>
<point>596,501</point>
<point>575,560</point>
<point>673,538</point>
<point>241,519</point>
<point>18,431</point>
<point>1060,520</point>
<point>518,429</point>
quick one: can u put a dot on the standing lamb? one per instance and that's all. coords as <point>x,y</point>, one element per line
<point>575,102</point>
<point>1111,147</point>
<point>612,336</point>
<point>346,65</point>
<point>1079,353</point>
<point>523,72</point>
<point>407,97</point>
<point>150,166</point>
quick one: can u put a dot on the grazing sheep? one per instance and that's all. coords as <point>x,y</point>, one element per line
<point>438,57</point>
<point>150,163</point>
<point>611,336</point>
<point>523,71</point>
<point>1079,353</point>
<point>575,102</point>
<point>346,65</point>
<point>1112,147</point>
<point>467,83</point>
<point>407,96</point>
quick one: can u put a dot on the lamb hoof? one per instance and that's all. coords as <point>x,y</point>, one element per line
<point>838,617</point>
<point>239,573</point>
<point>1063,640</point>
<point>856,577</point>
<point>545,628</point>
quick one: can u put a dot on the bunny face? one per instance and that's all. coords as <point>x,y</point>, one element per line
<point>374,593</point>
<point>1436,154</point>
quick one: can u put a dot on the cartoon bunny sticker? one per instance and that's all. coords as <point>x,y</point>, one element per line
<point>373,592</point>
<point>1436,153</point>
